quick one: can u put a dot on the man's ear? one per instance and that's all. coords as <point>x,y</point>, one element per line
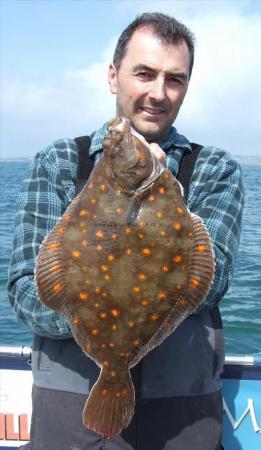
<point>112,78</point>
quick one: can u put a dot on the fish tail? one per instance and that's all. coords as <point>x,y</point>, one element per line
<point>109,407</point>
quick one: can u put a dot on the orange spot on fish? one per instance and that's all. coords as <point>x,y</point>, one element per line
<point>95,332</point>
<point>104,294</point>
<point>87,281</point>
<point>162,295</point>
<point>107,277</point>
<point>93,201</point>
<point>127,230</point>
<point>103,345</point>
<point>97,290</point>
<point>83,295</point>
<point>99,234</point>
<point>57,287</point>
<point>115,312</point>
<point>55,267</point>
<point>177,258</point>
<point>163,233</point>
<point>119,210</point>
<point>106,363</point>
<point>183,302</point>
<point>141,235</point>
<point>136,289</point>
<point>111,258</point>
<point>113,373</point>
<point>161,190</point>
<point>166,176</point>
<point>131,324</point>
<point>118,394</point>
<point>111,344</point>
<point>154,317</point>
<point>144,302</point>
<point>98,247</point>
<point>165,268</point>
<point>194,283</point>
<point>90,185</point>
<point>136,342</point>
<point>177,226</point>
<point>201,248</point>
<point>76,253</point>
<point>141,224</point>
<point>159,215</point>
<point>114,236</point>
<point>83,213</point>
<point>67,217</point>
<point>178,286</point>
<point>60,229</point>
<point>85,242</point>
<point>102,187</point>
<point>104,268</point>
<point>151,198</point>
<point>104,391</point>
<point>142,277</point>
<point>190,234</point>
<point>76,321</point>
<point>103,315</point>
<point>146,251</point>
<point>53,245</point>
<point>128,251</point>
<point>114,327</point>
<point>97,305</point>
<point>180,210</point>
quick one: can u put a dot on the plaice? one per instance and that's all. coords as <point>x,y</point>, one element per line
<point>125,265</point>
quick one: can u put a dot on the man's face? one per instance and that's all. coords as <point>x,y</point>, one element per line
<point>151,83</point>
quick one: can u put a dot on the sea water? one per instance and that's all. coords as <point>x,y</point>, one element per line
<point>240,308</point>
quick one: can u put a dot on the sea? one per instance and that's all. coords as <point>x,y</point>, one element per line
<point>241,306</point>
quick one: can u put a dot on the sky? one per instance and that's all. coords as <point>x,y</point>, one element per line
<point>55,55</point>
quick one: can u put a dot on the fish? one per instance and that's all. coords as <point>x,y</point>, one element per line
<point>125,265</point>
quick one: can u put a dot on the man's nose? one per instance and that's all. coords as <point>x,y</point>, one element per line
<point>157,90</point>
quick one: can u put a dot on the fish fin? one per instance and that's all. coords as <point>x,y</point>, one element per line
<point>109,407</point>
<point>49,277</point>
<point>202,265</point>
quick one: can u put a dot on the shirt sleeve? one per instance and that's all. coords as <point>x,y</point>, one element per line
<point>216,196</point>
<point>42,201</point>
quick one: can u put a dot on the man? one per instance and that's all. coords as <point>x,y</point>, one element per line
<point>178,385</point>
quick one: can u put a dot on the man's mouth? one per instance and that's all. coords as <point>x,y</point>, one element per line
<point>152,111</point>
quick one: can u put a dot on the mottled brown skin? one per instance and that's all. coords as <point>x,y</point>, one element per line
<point>127,262</point>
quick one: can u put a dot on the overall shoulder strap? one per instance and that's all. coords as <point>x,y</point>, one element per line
<point>85,162</point>
<point>186,168</point>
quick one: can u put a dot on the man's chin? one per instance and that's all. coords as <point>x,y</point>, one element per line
<point>150,133</point>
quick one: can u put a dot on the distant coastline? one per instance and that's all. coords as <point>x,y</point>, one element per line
<point>242,159</point>
<point>17,159</point>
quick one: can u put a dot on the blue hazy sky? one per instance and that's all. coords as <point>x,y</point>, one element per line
<point>55,54</point>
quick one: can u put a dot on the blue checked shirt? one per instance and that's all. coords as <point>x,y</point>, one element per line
<point>216,195</point>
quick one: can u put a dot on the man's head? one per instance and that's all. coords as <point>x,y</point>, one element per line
<point>150,73</point>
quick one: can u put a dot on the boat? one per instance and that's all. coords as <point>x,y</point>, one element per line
<point>241,399</point>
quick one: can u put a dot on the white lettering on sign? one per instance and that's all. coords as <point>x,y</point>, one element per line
<point>250,409</point>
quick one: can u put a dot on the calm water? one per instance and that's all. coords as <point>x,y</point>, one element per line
<point>241,307</point>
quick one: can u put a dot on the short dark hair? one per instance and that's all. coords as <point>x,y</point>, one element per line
<point>166,28</point>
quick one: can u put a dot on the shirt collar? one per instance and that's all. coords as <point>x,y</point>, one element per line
<point>172,141</point>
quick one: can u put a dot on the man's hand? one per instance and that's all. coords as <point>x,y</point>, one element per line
<point>159,153</point>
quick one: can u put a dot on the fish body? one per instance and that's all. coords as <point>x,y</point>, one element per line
<point>125,265</point>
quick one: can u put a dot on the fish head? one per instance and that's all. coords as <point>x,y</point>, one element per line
<point>128,155</point>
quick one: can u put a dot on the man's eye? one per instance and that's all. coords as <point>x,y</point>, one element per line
<point>176,81</point>
<point>144,75</point>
